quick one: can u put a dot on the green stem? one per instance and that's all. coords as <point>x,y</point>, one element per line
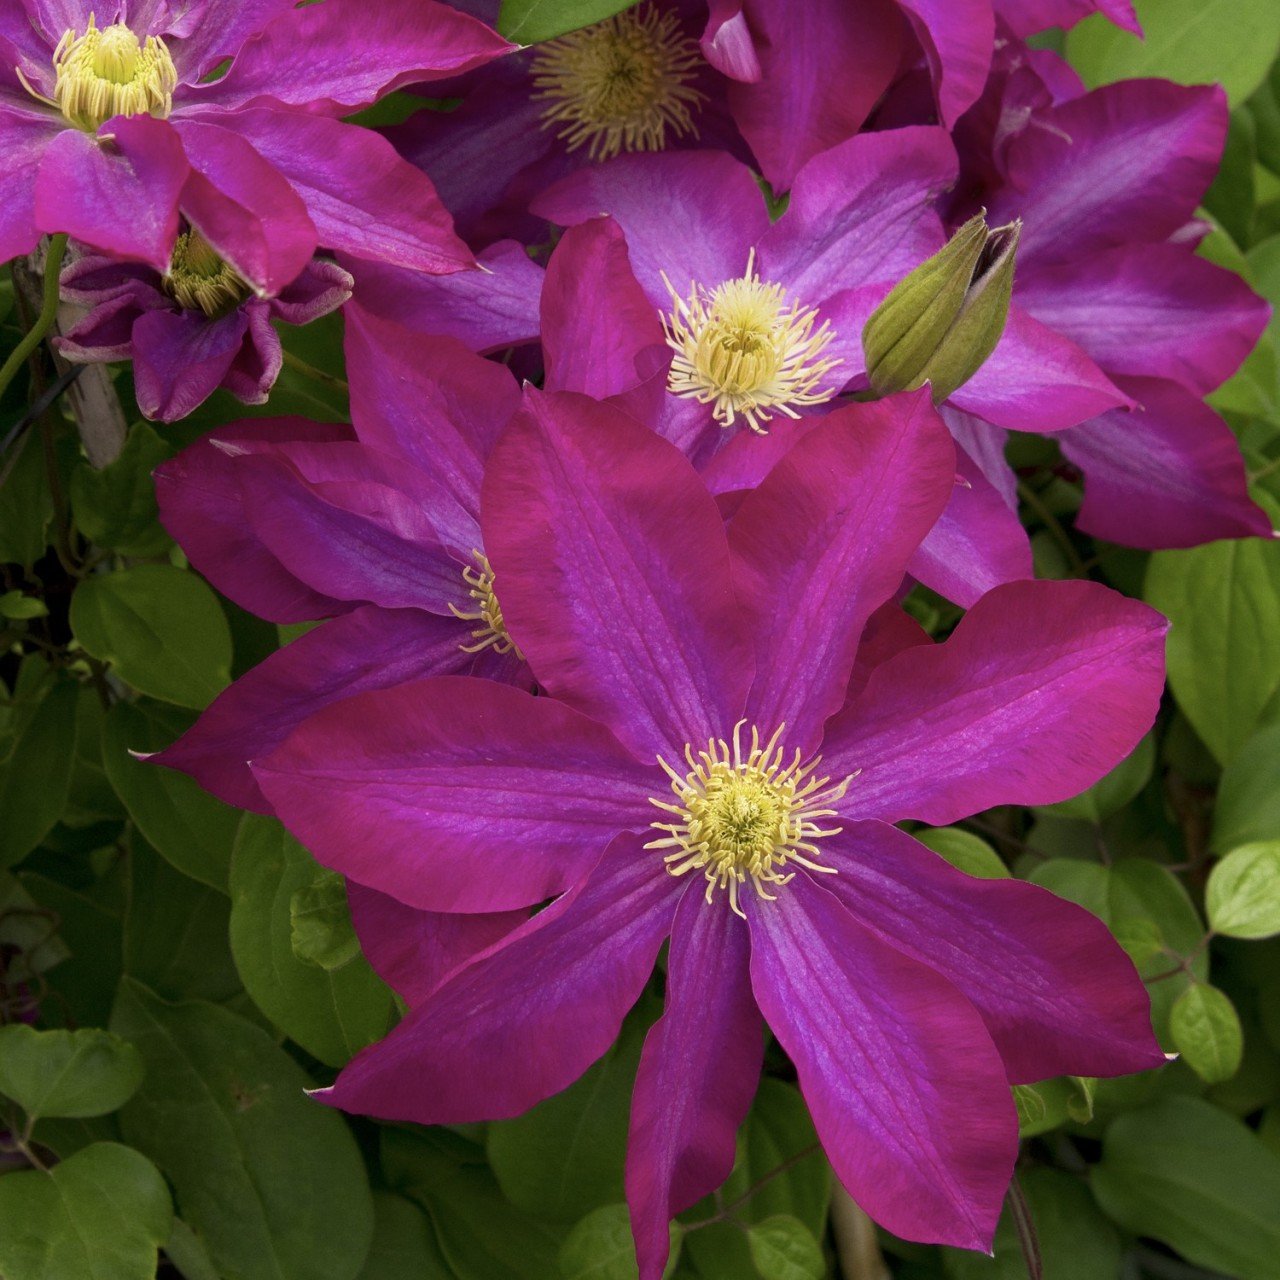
<point>319,375</point>
<point>48,312</point>
<point>1056,531</point>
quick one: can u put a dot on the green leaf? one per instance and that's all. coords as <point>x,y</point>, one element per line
<point>1191,1176</point>
<point>29,943</point>
<point>21,608</point>
<point>35,773</point>
<point>101,1215</point>
<point>1247,807</point>
<point>404,1246</point>
<point>566,1156</point>
<point>320,928</point>
<point>1190,41</point>
<point>970,853</point>
<point>1113,792</point>
<point>161,628</point>
<point>783,1248</point>
<point>271,1182</point>
<point>332,1013</point>
<point>67,1073</point>
<point>1221,598</point>
<point>529,21</point>
<point>1242,897</point>
<point>26,506</point>
<point>601,1247</point>
<point>115,506</point>
<point>1206,1032</point>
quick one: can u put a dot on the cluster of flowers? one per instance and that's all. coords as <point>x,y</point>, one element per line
<point>616,653</point>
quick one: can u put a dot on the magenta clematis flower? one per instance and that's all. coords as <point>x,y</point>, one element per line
<point>374,529</point>
<point>109,132</point>
<point>195,328</point>
<point>712,762</point>
<point>1107,184</point>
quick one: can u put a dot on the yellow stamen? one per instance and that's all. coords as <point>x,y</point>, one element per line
<point>199,279</point>
<point>741,817</point>
<point>492,631</point>
<point>619,85</point>
<point>741,348</point>
<point>108,73</point>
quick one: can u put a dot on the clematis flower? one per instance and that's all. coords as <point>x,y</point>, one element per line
<point>711,762</point>
<point>1107,184</point>
<point>373,529</point>
<point>195,328</point>
<point>110,132</point>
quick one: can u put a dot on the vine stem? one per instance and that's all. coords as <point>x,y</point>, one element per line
<point>48,312</point>
<point>299,365</point>
<point>1052,524</point>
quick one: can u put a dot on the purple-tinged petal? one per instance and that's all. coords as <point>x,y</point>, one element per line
<point>25,139</point>
<point>1026,17</point>
<point>53,17</point>
<point>181,357</point>
<point>861,212</point>
<point>322,287</point>
<point>1151,310</point>
<point>370,648</point>
<point>344,55</point>
<point>698,1073</point>
<point>693,215</point>
<point>978,542</point>
<point>1037,380</point>
<point>199,41</point>
<point>598,328</point>
<point>244,208</point>
<point>457,794</point>
<point>1042,689</point>
<point>433,402</point>
<point>486,310</point>
<point>119,191</point>
<point>527,1017</point>
<point>363,198</point>
<point>905,1086</point>
<point>984,445</point>
<point>1129,161</point>
<point>957,37</point>
<point>823,65</point>
<point>613,570</point>
<point>1169,474</point>
<point>727,44</point>
<point>261,356</point>
<point>823,542</point>
<point>1055,990</point>
<point>106,333</point>
<point>413,951</point>
<point>888,632</point>
<point>202,506</point>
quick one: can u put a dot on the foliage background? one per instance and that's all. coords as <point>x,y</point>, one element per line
<point>205,973</point>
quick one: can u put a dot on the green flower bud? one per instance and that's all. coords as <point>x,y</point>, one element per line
<point>942,321</point>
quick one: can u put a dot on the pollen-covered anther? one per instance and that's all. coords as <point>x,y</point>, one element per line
<point>746,815</point>
<point>110,72</point>
<point>492,631</point>
<point>199,279</point>
<point>619,85</point>
<point>743,349</point>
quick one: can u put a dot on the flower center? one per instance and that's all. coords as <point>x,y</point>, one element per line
<point>743,349</point>
<point>492,631</point>
<point>109,73</point>
<point>619,85</point>
<point>199,279</point>
<point>740,817</point>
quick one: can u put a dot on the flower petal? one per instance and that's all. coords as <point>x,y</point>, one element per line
<point>25,140</point>
<point>1055,990</point>
<point>698,1073</point>
<point>457,794</point>
<point>200,40</point>
<point>612,566</point>
<point>1026,17</point>
<point>526,1018</point>
<point>957,36</point>
<point>824,541</point>
<point>181,357</point>
<point>1042,689</point>
<point>905,1086</point>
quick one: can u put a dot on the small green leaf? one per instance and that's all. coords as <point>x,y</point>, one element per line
<point>1206,1032</point>
<point>1242,897</point>
<point>529,21</point>
<point>600,1247</point>
<point>115,506</point>
<point>35,773</point>
<point>970,853</point>
<point>67,1073</point>
<point>161,628</point>
<point>783,1248</point>
<point>19,607</point>
<point>320,928</point>
<point>100,1215</point>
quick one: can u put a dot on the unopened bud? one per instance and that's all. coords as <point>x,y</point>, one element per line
<point>942,321</point>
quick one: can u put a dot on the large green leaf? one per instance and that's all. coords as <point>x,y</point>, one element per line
<point>1248,804</point>
<point>160,628</point>
<point>529,21</point>
<point>101,1215</point>
<point>1188,1174</point>
<point>26,506</point>
<point>270,1180</point>
<point>79,1073</point>
<point>331,1012</point>
<point>35,773</point>
<point>1191,41</point>
<point>404,1245</point>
